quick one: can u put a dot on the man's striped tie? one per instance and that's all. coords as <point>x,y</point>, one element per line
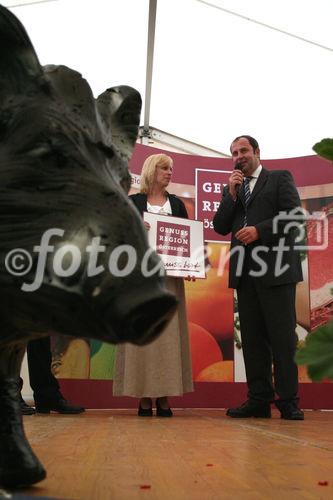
<point>247,194</point>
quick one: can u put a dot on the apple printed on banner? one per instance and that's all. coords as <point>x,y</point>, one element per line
<point>222,371</point>
<point>204,349</point>
<point>210,304</point>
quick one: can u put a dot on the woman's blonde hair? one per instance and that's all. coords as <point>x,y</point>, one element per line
<point>149,168</point>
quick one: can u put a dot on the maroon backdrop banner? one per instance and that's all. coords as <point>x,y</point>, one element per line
<point>217,363</point>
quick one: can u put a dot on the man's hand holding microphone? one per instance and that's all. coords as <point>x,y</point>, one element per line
<point>247,234</point>
<point>235,181</point>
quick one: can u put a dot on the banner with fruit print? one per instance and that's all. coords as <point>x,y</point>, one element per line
<point>215,335</point>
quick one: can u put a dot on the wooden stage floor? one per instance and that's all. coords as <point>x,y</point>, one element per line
<point>197,454</point>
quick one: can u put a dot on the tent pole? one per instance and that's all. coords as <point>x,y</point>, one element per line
<point>149,68</point>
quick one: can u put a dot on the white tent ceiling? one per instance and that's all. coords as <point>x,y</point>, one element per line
<point>221,67</point>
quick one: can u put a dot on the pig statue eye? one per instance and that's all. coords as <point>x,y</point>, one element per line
<point>40,150</point>
<point>48,154</point>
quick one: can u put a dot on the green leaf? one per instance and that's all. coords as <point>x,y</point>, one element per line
<point>317,353</point>
<point>324,148</point>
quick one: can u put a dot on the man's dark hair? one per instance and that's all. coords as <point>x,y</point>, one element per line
<point>252,141</point>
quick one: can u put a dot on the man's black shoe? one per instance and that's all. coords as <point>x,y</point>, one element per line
<point>290,411</point>
<point>59,405</point>
<point>251,409</point>
<point>25,408</point>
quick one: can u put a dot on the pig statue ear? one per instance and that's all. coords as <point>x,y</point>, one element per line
<point>119,109</point>
<point>19,65</point>
<point>73,91</point>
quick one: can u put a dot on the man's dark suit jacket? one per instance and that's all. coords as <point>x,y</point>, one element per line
<point>273,193</point>
<point>177,206</point>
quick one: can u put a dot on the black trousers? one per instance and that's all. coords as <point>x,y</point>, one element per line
<point>42,381</point>
<point>268,321</point>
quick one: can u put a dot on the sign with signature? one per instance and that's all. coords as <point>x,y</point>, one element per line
<point>179,243</point>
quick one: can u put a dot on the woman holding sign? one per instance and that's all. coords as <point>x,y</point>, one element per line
<point>162,368</point>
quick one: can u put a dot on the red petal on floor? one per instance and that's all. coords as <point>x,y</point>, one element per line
<point>209,465</point>
<point>323,483</point>
<point>145,486</point>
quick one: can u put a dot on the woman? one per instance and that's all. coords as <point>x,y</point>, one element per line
<point>162,368</point>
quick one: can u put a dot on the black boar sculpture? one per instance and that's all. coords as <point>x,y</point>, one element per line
<point>63,184</point>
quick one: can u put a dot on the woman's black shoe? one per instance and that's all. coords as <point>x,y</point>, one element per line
<point>145,412</point>
<point>162,412</point>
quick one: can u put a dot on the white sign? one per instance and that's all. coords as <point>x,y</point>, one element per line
<point>179,243</point>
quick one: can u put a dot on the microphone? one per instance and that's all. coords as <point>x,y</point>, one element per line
<point>238,166</point>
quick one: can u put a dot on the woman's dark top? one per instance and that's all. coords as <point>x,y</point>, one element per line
<point>177,206</point>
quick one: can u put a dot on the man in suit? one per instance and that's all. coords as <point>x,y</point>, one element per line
<point>264,269</point>
<point>45,386</point>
